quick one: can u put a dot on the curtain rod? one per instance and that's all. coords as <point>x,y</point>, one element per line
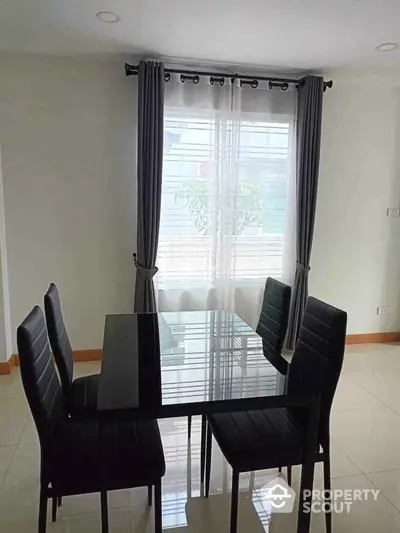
<point>132,70</point>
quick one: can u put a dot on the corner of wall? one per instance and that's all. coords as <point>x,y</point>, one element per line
<point>5,318</point>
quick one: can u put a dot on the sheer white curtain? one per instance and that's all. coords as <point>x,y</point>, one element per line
<point>227,214</point>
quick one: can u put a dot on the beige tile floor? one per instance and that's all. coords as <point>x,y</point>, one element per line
<point>365,454</point>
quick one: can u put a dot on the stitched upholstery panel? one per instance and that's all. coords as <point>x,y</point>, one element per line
<point>98,452</point>
<point>84,392</point>
<point>39,375</point>
<point>318,357</point>
<point>58,336</point>
<point>274,317</point>
<point>254,440</point>
<point>81,394</point>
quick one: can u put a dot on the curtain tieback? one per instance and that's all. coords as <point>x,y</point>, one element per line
<point>302,268</point>
<point>148,273</point>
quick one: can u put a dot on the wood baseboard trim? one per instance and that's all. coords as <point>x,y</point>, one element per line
<point>85,356</point>
<point>7,367</point>
<point>80,356</point>
<point>371,338</point>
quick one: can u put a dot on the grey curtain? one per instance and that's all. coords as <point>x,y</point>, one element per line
<point>149,177</point>
<point>308,140</point>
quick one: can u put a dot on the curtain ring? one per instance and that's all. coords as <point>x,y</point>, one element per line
<point>167,76</point>
<point>213,80</point>
<point>254,84</point>
<point>195,79</point>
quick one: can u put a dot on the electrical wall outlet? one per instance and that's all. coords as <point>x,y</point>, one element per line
<point>382,310</point>
<point>393,212</point>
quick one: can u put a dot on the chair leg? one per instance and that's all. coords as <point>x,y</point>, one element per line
<point>234,501</point>
<point>157,508</point>
<point>208,460</point>
<point>279,469</point>
<point>42,512</point>
<point>104,511</point>
<point>327,487</point>
<point>189,427</point>
<point>306,485</point>
<point>289,475</point>
<point>59,501</point>
<point>203,447</point>
<point>150,495</point>
<point>54,509</point>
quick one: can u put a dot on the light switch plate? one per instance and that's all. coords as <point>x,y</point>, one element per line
<point>382,310</point>
<point>393,212</point>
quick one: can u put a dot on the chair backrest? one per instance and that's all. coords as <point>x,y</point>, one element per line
<point>58,336</point>
<point>274,316</point>
<point>318,357</point>
<point>39,376</point>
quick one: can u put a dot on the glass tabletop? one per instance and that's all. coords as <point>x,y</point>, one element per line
<point>186,360</point>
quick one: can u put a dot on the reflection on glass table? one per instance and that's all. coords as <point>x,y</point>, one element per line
<point>178,364</point>
<point>212,355</point>
<point>183,504</point>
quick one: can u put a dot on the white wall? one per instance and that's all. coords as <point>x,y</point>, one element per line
<point>355,262</point>
<point>67,131</point>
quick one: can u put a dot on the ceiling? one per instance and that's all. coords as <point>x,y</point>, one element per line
<point>303,34</point>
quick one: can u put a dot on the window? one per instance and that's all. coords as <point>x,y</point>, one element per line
<point>224,189</point>
<point>224,210</point>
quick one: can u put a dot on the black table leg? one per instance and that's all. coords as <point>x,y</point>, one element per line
<point>203,447</point>
<point>104,511</point>
<point>54,509</point>
<point>208,460</point>
<point>234,501</point>
<point>157,508</point>
<point>289,475</point>
<point>189,427</point>
<point>42,511</point>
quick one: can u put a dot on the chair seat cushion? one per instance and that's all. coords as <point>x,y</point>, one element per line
<point>83,399</point>
<point>99,452</point>
<point>257,440</point>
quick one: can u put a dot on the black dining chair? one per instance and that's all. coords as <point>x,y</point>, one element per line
<point>273,321</point>
<point>81,393</point>
<point>258,440</point>
<point>89,455</point>
<point>272,328</point>
<point>272,325</point>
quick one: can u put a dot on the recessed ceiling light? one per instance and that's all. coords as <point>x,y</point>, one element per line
<point>387,47</point>
<point>108,16</point>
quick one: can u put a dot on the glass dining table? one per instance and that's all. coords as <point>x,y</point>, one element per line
<point>175,364</point>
